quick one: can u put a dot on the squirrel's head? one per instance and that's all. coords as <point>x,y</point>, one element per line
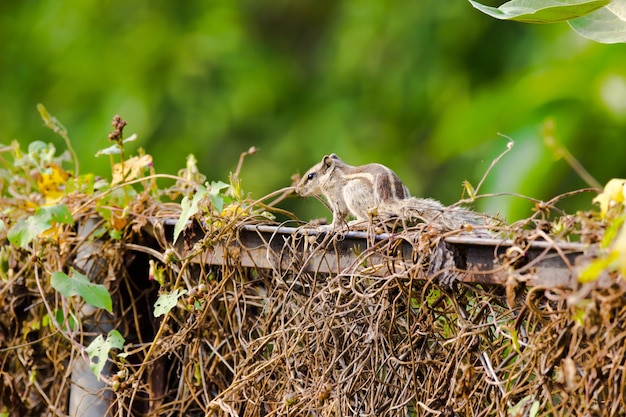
<point>312,182</point>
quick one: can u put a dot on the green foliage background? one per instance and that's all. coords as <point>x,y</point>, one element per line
<point>421,86</point>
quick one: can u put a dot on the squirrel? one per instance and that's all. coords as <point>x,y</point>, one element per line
<point>374,189</point>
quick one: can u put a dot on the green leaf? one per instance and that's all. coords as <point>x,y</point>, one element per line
<point>37,148</point>
<point>115,234</point>
<point>26,229</point>
<point>218,186</point>
<point>78,284</point>
<point>605,25</point>
<point>166,302</point>
<point>99,349</point>
<point>115,149</point>
<point>58,213</point>
<point>217,202</point>
<point>214,194</point>
<point>541,11</point>
<point>84,183</point>
<point>189,208</point>
<point>111,150</point>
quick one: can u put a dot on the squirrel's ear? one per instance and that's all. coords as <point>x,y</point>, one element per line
<point>329,160</point>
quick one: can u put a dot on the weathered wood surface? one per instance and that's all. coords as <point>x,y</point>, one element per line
<point>476,260</point>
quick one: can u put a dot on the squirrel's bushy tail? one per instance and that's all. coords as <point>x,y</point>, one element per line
<point>427,210</point>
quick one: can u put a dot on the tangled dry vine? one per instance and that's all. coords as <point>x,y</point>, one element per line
<point>243,316</point>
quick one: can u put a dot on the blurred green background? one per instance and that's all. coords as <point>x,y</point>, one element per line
<point>421,86</point>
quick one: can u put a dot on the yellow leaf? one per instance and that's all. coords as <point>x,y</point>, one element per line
<point>131,168</point>
<point>52,183</point>
<point>612,197</point>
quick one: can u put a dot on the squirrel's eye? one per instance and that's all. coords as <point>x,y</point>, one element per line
<point>311,176</point>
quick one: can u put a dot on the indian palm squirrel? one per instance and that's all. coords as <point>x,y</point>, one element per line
<point>373,189</point>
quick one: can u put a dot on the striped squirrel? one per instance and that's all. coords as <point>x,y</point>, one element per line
<point>374,189</point>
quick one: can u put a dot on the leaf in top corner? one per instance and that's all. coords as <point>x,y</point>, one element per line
<point>541,11</point>
<point>605,25</point>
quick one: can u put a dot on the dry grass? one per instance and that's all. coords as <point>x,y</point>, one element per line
<point>263,342</point>
<point>371,339</point>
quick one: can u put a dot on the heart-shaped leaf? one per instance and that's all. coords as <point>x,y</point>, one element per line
<point>78,284</point>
